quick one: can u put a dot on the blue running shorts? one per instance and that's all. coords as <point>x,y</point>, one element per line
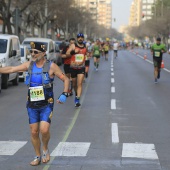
<point>40,114</point>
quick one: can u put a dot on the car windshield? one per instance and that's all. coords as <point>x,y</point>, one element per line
<point>22,52</point>
<point>27,44</point>
<point>3,45</point>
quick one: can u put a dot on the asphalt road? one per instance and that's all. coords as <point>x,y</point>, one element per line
<point>123,123</point>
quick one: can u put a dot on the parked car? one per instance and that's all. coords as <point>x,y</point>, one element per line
<point>50,51</point>
<point>10,55</point>
<point>25,56</point>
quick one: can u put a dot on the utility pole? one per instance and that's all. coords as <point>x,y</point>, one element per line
<point>46,14</point>
<point>67,28</point>
<point>162,8</point>
<point>66,19</point>
<point>78,27</point>
<point>16,19</point>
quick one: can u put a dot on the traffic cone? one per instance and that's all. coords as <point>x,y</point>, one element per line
<point>162,64</point>
<point>144,57</point>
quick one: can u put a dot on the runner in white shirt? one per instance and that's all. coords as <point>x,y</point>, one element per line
<point>115,48</point>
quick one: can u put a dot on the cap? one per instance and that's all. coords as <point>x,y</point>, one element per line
<point>80,35</point>
<point>38,46</point>
<point>158,39</point>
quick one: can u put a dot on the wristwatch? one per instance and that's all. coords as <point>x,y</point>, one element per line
<point>65,93</point>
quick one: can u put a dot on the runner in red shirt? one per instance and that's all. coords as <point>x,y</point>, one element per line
<point>67,61</point>
<point>77,65</point>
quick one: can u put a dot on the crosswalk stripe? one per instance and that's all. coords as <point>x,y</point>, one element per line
<point>71,149</point>
<point>139,150</point>
<point>10,147</point>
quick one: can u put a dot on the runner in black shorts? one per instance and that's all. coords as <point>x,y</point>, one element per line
<point>67,64</point>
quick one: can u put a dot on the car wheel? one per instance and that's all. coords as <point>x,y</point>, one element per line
<point>4,81</point>
<point>16,80</point>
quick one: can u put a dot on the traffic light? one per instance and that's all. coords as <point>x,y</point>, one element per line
<point>16,16</point>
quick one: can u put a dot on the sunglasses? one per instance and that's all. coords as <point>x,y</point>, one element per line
<point>35,52</point>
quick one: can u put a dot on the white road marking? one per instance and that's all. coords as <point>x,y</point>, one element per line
<point>115,136</point>
<point>113,104</point>
<point>112,74</point>
<point>113,89</point>
<point>112,80</point>
<point>111,65</point>
<point>10,147</point>
<point>166,70</point>
<point>139,150</point>
<point>71,149</point>
<point>111,69</point>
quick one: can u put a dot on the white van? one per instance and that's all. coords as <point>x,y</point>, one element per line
<point>25,56</point>
<point>50,53</point>
<point>10,55</point>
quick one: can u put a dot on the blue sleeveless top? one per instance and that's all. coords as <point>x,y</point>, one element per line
<point>36,77</point>
<point>40,77</point>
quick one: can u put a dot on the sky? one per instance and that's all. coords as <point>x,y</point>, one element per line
<point>120,11</point>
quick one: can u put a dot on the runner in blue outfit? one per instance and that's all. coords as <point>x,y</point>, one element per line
<point>39,79</point>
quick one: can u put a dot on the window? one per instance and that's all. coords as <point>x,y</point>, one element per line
<point>151,1</point>
<point>3,45</point>
<point>22,52</point>
<point>144,7</point>
<point>15,44</point>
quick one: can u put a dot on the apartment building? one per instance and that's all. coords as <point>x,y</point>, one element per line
<point>141,10</point>
<point>135,13</point>
<point>147,7</point>
<point>101,10</point>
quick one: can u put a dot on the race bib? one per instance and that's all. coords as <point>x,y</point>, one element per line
<point>37,93</point>
<point>79,57</point>
<point>96,52</point>
<point>157,54</point>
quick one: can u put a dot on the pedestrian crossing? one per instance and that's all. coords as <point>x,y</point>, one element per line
<point>80,149</point>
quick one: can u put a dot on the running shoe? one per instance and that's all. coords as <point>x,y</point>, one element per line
<point>156,81</point>
<point>75,100</point>
<point>77,105</point>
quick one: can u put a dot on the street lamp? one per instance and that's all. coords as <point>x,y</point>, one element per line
<point>162,6</point>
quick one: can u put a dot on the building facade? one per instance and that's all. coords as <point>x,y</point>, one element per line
<point>141,10</point>
<point>147,9</point>
<point>135,13</point>
<point>101,10</point>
